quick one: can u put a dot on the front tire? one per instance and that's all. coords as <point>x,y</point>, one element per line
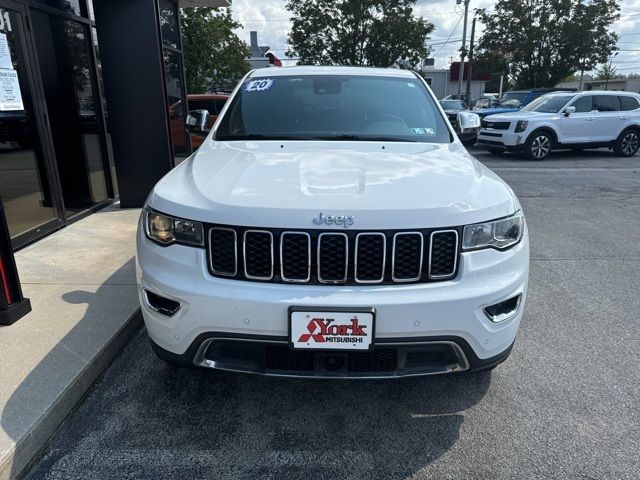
<point>627,143</point>
<point>538,146</point>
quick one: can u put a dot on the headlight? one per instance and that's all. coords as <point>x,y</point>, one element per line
<point>166,230</point>
<point>499,234</point>
<point>521,126</point>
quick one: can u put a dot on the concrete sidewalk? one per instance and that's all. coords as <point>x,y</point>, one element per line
<point>81,282</point>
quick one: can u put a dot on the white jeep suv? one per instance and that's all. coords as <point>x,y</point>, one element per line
<point>590,119</point>
<point>332,225</point>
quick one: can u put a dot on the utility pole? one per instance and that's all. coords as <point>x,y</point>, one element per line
<point>464,43</point>
<point>470,72</point>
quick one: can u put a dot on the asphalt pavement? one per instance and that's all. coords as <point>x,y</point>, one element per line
<point>565,405</point>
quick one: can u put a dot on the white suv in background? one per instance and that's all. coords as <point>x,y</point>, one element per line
<point>565,120</point>
<point>332,225</point>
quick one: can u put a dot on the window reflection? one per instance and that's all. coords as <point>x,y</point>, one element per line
<point>68,78</point>
<point>70,6</point>
<point>24,187</point>
<point>169,24</point>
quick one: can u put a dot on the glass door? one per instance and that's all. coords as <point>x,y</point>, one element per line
<point>31,202</point>
<point>72,98</point>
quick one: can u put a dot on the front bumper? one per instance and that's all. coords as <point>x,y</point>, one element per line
<point>217,306</point>
<point>502,139</point>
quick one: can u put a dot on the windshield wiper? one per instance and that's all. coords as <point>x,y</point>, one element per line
<point>365,138</point>
<point>261,136</point>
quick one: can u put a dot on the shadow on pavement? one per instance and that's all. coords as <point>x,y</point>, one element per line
<point>150,420</point>
<point>30,407</point>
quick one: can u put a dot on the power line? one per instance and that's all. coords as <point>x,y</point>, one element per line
<point>449,38</point>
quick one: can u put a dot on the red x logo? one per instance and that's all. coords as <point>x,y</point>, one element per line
<point>312,326</point>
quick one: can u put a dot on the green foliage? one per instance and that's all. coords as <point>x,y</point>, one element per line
<point>214,56</point>
<point>540,42</point>
<point>357,32</point>
<point>606,72</point>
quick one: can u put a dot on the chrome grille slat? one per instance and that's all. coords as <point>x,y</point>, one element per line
<point>333,257</point>
<point>383,265</point>
<point>244,254</point>
<point>230,272</point>
<point>452,271</point>
<point>395,259</point>
<point>283,260</point>
<point>336,280</point>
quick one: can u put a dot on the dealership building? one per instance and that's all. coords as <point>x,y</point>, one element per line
<point>85,115</point>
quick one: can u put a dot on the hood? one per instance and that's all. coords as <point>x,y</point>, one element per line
<point>483,112</point>
<point>287,184</point>
<point>519,115</point>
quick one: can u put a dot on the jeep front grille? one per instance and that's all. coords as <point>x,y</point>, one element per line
<point>333,257</point>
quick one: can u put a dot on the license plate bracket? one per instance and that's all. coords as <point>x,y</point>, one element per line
<point>331,328</point>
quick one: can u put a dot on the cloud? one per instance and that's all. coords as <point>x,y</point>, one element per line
<point>270,19</point>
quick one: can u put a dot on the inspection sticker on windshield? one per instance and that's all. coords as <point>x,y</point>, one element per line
<point>423,131</point>
<point>259,85</point>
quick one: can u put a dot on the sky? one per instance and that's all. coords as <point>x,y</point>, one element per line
<point>271,20</point>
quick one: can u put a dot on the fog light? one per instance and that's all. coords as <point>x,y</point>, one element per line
<point>162,305</point>
<point>502,311</point>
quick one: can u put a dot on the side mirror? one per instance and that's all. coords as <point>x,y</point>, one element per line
<point>197,121</point>
<point>468,120</point>
<point>569,110</point>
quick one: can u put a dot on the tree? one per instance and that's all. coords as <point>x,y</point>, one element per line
<point>606,72</point>
<point>537,43</point>
<point>357,32</point>
<point>214,57</point>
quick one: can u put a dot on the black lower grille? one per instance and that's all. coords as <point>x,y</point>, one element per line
<point>382,360</point>
<point>333,257</point>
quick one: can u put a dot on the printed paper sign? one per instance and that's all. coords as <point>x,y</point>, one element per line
<point>5,53</point>
<point>10,95</point>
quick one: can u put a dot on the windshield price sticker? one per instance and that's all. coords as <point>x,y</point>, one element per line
<point>331,330</point>
<point>259,85</point>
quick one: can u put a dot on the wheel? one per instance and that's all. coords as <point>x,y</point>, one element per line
<point>495,151</point>
<point>627,143</point>
<point>538,146</point>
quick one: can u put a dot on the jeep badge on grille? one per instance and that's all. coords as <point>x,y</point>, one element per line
<point>345,220</point>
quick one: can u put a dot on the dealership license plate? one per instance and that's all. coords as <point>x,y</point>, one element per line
<point>331,330</point>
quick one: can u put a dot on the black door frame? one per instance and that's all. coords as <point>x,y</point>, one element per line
<point>41,124</point>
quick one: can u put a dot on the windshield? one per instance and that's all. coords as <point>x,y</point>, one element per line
<point>513,99</point>
<point>452,104</point>
<point>548,103</point>
<point>333,107</point>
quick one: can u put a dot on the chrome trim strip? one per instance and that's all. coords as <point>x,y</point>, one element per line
<point>384,257</point>
<point>235,252</point>
<point>393,258</point>
<point>455,255</point>
<point>346,256</point>
<point>147,303</point>
<point>244,254</point>
<point>513,313</point>
<point>460,366</point>
<point>296,280</point>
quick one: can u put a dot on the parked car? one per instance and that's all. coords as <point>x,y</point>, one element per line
<point>332,225</point>
<point>514,100</point>
<point>488,100</point>
<point>452,108</point>
<point>212,102</point>
<point>590,119</point>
